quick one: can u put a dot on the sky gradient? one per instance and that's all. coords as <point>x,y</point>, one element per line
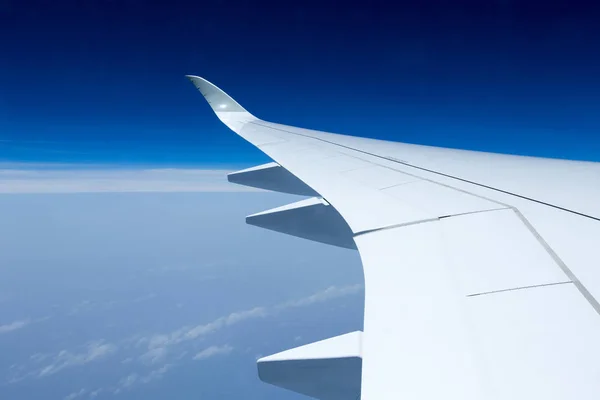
<point>103,81</point>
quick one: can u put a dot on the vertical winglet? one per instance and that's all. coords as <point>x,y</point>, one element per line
<point>218,99</point>
<point>229,111</point>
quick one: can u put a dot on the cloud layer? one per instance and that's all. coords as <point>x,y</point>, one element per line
<point>65,359</point>
<point>116,180</point>
<point>160,352</point>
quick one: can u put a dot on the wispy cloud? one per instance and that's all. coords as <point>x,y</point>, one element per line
<point>154,355</point>
<point>66,180</point>
<point>135,379</point>
<point>13,326</point>
<point>165,340</point>
<point>213,351</point>
<point>156,373</point>
<point>332,292</point>
<point>151,350</point>
<point>22,323</point>
<point>64,359</point>
<point>75,395</point>
<point>127,382</point>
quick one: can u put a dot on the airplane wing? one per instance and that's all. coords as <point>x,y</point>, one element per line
<point>482,274</point>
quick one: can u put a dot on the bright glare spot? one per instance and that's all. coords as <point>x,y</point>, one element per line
<point>221,106</point>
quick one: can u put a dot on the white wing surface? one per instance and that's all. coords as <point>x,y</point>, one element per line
<point>481,270</point>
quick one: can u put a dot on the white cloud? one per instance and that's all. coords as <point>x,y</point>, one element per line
<point>164,340</point>
<point>135,379</point>
<point>161,346</point>
<point>14,325</point>
<point>65,359</point>
<point>39,357</point>
<point>75,395</point>
<point>129,380</point>
<point>154,355</point>
<point>65,180</point>
<point>156,374</point>
<point>231,319</point>
<point>332,292</point>
<point>213,351</point>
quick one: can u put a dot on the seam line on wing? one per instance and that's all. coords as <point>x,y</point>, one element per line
<point>518,288</point>
<point>399,184</point>
<point>421,221</point>
<point>384,228</point>
<point>475,212</point>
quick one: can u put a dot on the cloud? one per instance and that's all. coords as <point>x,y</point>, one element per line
<point>156,374</point>
<point>66,180</point>
<point>14,325</point>
<point>135,379</point>
<point>129,380</point>
<point>65,359</point>
<point>154,355</point>
<point>213,351</point>
<point>75,395</point>
<point>231,319</point>
<point>39,357</point>
<point>332,292</point>
<point>165,340</point>
<point>163,346</point>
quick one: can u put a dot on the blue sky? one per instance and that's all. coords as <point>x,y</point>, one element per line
<point>103,81</point>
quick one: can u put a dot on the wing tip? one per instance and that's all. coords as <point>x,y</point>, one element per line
<point>216,98</point>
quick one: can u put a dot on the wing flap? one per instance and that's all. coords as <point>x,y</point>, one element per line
<point>514,339</point>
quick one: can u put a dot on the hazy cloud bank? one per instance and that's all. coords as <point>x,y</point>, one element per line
<point>116,180</point>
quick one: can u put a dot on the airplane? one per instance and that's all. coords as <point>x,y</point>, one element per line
<point>482,274</point>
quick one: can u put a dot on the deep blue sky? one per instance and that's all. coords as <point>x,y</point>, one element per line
<point>103,81</point>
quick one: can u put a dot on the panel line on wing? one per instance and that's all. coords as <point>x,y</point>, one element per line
<point>518,288</point>
<point>384,228</point>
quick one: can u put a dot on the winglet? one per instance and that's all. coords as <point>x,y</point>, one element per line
<point>218,99</point>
